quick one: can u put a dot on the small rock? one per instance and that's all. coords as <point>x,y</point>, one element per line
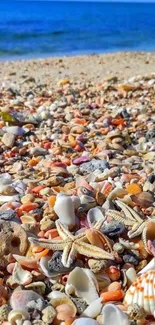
<point>38,152</point>
<point>8,139</point>
<point>7,214</point>
<point>94,164</point>
<point>49,314</point>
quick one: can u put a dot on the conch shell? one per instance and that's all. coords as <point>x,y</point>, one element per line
<point>83,283</point>
<point>142,293</point>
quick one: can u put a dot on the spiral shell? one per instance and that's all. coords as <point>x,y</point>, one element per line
<point>142,293</point>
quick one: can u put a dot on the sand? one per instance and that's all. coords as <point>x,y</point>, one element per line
<point>93,68</point>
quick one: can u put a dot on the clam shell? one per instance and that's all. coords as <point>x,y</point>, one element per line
<point>113,315</point>
<point>83,283</point>
<point>142,292</point>
<point>64,208</point>
<point>94,215</point>
<point>85,321</point>
<point>143,199</point>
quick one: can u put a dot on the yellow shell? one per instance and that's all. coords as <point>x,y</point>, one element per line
<point>142,293</point>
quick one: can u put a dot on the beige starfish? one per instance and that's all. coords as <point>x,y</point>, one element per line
<point>72,245</point>
<point>132,219</point>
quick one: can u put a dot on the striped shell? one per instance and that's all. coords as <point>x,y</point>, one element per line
<point>142,293</point>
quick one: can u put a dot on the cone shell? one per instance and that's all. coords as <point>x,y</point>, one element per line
<point>142,292</point>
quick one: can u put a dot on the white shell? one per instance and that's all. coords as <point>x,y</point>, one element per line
<point>83,283</point>
<point>20,276</point>
<point>150,266</point>
<point>142,292</point>
<point>94,215</point>
<point>131,276</point>
<point>64,208</point>
<point>85,321</point>
<point>94,309</point>
<point>113,315</point>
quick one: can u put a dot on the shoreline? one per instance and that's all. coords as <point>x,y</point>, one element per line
<point>82,68</point>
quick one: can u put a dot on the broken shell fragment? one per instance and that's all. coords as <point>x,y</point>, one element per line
<point>83,284</point>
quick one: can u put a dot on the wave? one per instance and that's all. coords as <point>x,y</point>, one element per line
<point>26,35</point>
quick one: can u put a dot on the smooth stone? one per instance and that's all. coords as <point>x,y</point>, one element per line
<point>8,139</point>
<point>38,152</point>
<point>94,309</point>
<point>19,299</point>
<point>16,130</point>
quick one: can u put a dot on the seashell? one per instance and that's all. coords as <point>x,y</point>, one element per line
<point>16,315</point>
<point>143,199</point>
<point>148,235</point>
<point>81,160</point>
<point>76,201</point>
<point>58,298</point>
<point>65,311</point>
<point>85,321</point>
<point>82,283</point>
<point>111,315</point>
<point>116,193</point>
<point>103,280</point>
<point>131,276</point>
<point>28,262</point>
<point>96,238</point>
<point>94,215</point>
<point>83,188</point>
<point>94,309</point>
<point>19,299</point>
<point>64,208</point>
<point>142,292</point>
<point>7,190</point>
<point>38,287</point>
<point>8,198</point>
<point>149,267</point>
<point>19,276</point>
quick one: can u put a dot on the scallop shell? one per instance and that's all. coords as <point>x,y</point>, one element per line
<point>83,283</point>
<point>142,292</point>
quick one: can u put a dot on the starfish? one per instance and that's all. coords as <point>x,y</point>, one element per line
<point>72,245</point>
<point>132,219</point>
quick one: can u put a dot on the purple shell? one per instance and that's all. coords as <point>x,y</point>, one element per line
<point>80,160</point>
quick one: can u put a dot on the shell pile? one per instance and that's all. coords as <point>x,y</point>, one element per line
<point>77,211</point>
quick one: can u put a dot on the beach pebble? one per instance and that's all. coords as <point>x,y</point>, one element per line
<point>8,214</point>
<point>48,314</point>
<point>19,299</point>
<point>16,130</point>
<point>8,139</point>
<point>94,164</point>
<point>38,152</point>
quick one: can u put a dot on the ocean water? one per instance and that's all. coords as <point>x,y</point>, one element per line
<point>30,29</point>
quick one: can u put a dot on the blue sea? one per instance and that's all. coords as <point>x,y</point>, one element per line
<point>30,29</point>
